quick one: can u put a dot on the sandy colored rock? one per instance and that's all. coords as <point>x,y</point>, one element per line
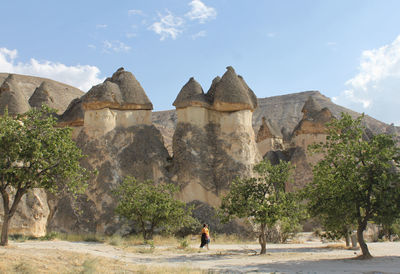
<point>12,98</point>
<point>31,216</point>
<point>62,94</point>
<point>41,96</point>
<point>135,151</point>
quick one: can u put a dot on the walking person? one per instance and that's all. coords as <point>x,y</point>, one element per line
<point>205,236</point>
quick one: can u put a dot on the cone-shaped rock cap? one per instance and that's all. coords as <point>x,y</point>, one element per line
<point>12,97</point>
<point>41,96</point>
<point>121,91</point>
<point>211,91</point>
<point>73,115</point>
<point>310,107</point>
<point>191,94</point>
<point>232,93</point>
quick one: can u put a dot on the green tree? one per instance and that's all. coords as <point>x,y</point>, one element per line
<point>357,181</point>
<point>152,206</point>
<point>34,153</point>
<point>263,199</point>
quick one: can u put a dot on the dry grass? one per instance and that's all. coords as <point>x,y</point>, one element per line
<point>13,260</point>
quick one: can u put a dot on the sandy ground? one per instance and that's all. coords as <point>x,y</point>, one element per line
<point>308,257</point>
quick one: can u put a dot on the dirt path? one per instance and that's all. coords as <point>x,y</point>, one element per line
<point>312,257</point>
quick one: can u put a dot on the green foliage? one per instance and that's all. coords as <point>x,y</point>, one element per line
<point>357,181</point>
<point>263,198</point>
<point>152,206</point>
<point>34,153</point>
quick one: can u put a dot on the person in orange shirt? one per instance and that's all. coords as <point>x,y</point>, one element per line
<point>205,236</point>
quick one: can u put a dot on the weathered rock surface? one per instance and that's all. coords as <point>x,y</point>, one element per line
<point>62,94</point>
<point>41,96</point>
<point>31,216</point>
<point>119,141</point>
<point>135,151</point>
<point>11,97</point>
<point>213,142</point>
<point>210,136</point>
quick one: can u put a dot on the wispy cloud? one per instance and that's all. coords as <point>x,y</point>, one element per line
<point>168,26</point>
<point>199,11</point>
<point>91,46</point>
<point>80,76</point>
<point>130,35</point>
<point>202,33</point>
<point>375,89</point>
<point>271,34</point>
<point>116,46</point>
<point>101,26</point>
<point>136,12</point>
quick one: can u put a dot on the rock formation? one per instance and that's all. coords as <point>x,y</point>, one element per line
<point>311,129</point>
<point>214,140</point>
<point>55,94</point>
<point>119,141</point>
<point>12,98</point>
<point>41,96</point>
<point>267,138</point>
<point>210,137</point>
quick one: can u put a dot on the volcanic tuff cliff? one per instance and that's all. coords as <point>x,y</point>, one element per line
<point>214,140</point>
<point>201,146</point>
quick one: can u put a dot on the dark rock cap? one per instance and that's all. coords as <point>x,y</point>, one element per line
<point>12,97</point>
<point>41,96</point>
<point>191,94</point>
<point>73,115</point>
<point>211,91</point>
<point>121,91</point>
<point>264,132</point>
<point>232,93</point>
<point>314,119</point>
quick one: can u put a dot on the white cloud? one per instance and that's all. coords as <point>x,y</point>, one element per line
<point>168,26</point>
<point>116,46</point>
<point>136,12</point>
<point>101,26</point>
<point>375,90</point>
<point>82,77</point>
<point>202,33</point>
<point>271,34</point>
<point>199,11</point>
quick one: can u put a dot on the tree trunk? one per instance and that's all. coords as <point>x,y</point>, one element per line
<point>6,221</point>
<point>4,230</point>
<point>347,240</point>
<point>360,237</point>
<point>8,213</point>
<point>263,240</point>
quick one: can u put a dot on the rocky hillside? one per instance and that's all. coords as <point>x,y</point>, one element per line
<point>31,91</point>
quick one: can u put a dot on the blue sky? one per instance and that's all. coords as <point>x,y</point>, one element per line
<point>349,50</point>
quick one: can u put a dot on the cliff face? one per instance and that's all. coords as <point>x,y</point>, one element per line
<point>119,141</point>
<point>214,140</point>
